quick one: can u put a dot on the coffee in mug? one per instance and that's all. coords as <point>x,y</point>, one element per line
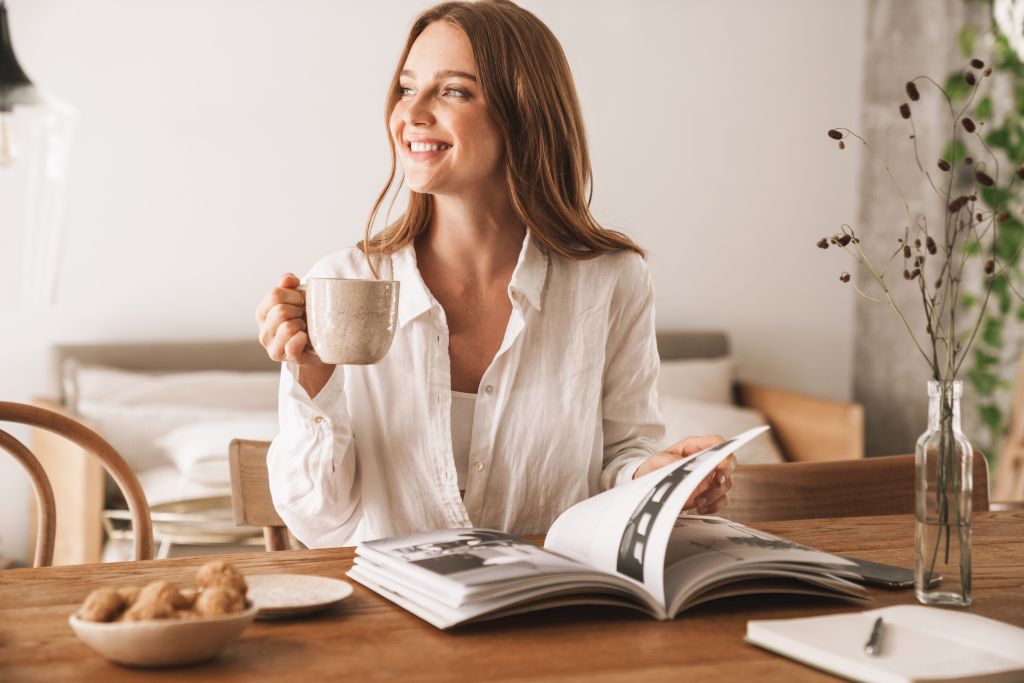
<point>351,322</point>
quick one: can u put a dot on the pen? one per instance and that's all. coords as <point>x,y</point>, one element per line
<point>874,644</point>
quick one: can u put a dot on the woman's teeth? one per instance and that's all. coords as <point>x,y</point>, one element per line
<point>427,147</point>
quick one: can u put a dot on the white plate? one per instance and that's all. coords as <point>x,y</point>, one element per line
<point>286,595</point>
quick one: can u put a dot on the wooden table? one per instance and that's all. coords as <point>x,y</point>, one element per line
<point>368,638</point>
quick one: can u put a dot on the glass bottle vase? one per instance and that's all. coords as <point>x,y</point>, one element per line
<point>943,502</point>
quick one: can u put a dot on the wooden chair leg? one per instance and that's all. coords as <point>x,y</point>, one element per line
<point>275,537</point>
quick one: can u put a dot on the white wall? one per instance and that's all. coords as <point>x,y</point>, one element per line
<point>222,143</point>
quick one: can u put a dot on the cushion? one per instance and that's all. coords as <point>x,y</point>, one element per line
<point>685,417</point>
<point>700,379</point>
<point>166,485</point>
<point>200,450</point>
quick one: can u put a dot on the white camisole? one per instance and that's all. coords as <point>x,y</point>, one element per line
<point>463,407</point>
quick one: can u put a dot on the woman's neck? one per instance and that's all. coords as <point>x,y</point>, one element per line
<point>479,239</point>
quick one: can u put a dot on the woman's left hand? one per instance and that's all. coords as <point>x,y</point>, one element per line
<point>711,495</point>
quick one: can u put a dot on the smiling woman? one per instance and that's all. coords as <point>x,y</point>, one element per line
<point>522,377</point>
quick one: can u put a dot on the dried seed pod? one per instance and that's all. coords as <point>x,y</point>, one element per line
<point>906,274</point>
<point>943,165</point>
<point>990,266</point>
<point>969,77</point>
<point>1002,216</point>
<point>987,72</point>
<point>938,283</point>
<point>835,134</point>
<point>905,110</point>
<point>984,178</point>
<point>968,160</point>
<point>843,239</point>
<point>823,243</point>
<point>914,273</point>
<point>968,124</point>
<point>906,251</point>
<point>1020,172</point>
<point>957,204</point>
<point>912,91</point>
<point>842,145</point>
<point>978,217</point>
<point>917,244</point>
<point>845,277</point>
<point>977,63</point>
<point>932,248</point>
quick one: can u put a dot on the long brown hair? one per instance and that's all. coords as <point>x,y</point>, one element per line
<point>531,96</point>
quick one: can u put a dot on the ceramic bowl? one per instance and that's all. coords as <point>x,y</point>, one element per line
<point>162,642</point>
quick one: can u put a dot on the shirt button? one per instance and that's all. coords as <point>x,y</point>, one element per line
<point>489,388</point>
<point>478,465</point>
<point>318,419</point>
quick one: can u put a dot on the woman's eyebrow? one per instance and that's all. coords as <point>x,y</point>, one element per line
<point>438,75</point>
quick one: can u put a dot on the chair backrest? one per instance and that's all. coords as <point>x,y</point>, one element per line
<point>1008,486</point>
<point>92,442</point>
<point>807,490</point>
<point>250,492</point>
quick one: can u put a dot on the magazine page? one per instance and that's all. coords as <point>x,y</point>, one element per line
<point>458,566</point>
<point>705,553</point>
<point>626,529</point>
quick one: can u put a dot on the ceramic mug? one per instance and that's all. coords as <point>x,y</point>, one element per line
<point>351,322</point>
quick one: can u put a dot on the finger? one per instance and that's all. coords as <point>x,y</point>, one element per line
<point>716,505</point>
<point>694,444</point>
<point>289,281</point>
<point>281,314</point>
<point>280,295</point>
<point>278,348</point>
<point>294,348</point>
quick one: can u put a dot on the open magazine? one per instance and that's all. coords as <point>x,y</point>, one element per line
<point>628,546</point>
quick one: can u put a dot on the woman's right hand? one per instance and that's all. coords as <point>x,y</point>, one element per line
<point>281,317</point>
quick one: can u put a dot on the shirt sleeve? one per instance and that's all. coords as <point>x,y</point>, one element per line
<point>314,481</point>
<point>631,421</point>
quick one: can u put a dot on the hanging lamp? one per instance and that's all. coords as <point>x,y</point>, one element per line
<point>35,135</point>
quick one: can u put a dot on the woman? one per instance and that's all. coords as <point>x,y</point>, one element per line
<point>522,376</point>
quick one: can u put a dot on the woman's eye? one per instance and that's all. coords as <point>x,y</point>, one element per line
<point>404,91</point>
<point>455,92</point>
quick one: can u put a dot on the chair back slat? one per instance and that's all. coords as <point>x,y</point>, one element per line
<point>872,486</point>
<point>250,491</point>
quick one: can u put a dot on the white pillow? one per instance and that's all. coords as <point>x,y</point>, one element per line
<point>200,450</point>
<point>166,485</point>
<point>134,430</point>
<point>685,417</point>
<point>90,384</point>
<point>699,379</point>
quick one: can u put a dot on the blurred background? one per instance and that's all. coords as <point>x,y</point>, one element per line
<point>216,145</point>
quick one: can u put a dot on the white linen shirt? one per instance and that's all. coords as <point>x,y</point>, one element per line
<point>567,408</point>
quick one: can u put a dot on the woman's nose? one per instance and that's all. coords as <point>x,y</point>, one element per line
<point>419,110</point>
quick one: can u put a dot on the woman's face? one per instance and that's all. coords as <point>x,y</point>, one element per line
<point>447,140</point>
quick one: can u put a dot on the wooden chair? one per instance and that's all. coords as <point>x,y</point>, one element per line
<point>806,490</point>
<point>92,442</point>
<point>1008,487</point>
<point>250,492</point>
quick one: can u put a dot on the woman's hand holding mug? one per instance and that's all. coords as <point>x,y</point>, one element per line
<point>281,317</point>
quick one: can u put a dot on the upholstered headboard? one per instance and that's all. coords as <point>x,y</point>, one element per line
<point>681,344</point>
<point>248,355</point>
<point>241,355</point>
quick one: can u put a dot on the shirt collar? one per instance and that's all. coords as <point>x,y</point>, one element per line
<point>415,299</point>
<point>531,272</point>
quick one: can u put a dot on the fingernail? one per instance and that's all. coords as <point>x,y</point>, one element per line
<point>721,478</point>
<point>701,501</point>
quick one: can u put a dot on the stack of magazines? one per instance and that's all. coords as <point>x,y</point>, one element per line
<point>628,546</point>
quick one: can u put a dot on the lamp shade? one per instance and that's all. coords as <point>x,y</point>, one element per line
<point>35,137</point>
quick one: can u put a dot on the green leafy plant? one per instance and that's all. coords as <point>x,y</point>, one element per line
<point>1001,314</point>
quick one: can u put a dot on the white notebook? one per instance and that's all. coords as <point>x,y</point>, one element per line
<point>918,644</point>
